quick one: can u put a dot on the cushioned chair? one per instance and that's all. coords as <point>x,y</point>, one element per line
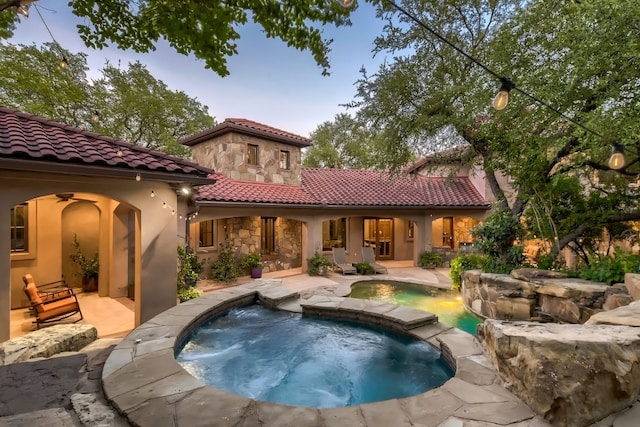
<point>369,256</point>
<point>340,261</point>
<point>51,302</point>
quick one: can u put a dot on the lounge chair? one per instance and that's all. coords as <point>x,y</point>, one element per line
<point>340,261</point>
<point>369,256</point>
<point>51,302</point>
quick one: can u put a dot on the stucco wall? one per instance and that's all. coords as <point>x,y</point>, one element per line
<point>155,228</point>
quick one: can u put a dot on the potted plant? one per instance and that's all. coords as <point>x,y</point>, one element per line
<point>364,268</point>
<point>318,265</point>
<point>430,259</point>
<point>89,267</point>
<point>253,262</point>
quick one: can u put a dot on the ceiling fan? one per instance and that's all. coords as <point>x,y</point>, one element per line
<point>65,197</point>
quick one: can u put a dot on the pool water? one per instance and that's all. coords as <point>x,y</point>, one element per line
<point>447,305</point>
<point>286,358</point>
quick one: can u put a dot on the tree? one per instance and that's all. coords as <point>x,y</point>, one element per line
<point>31,80</point>
<point>137,108</point>
<point>572,55</point>
<point>133,105</point>
<point>345,143</point>
<point>207,29</point>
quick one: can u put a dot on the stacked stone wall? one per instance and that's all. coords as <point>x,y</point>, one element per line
<point>245,233</point>
<point>504,297</point>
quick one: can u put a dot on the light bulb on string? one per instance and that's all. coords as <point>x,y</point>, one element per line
<point>153,193</point>
<point>138,177</point>
<point>346,3</point>
<point>617,160</point>
<point>164,205</point>
<point>501,100</point>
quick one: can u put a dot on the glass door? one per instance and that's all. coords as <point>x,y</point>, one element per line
<point>378,234</point>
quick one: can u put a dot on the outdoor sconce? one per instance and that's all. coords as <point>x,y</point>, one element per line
<point>617,160</point>
<point>502,98</point>
<point>346,3</point>
<point>185,190</point>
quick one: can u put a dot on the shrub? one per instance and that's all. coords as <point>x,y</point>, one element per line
<point>251,260</point>
<point>610,270</point>
<point>188,267</point>
<point>364,268</point>
<point>430,259</point>
<point>186,294</point>
<point>463,263</point>
<point>226,268</point>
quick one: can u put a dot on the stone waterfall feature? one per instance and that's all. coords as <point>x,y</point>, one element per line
<point>572,375</point>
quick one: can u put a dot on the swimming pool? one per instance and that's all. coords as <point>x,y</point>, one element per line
<point>286,358</point>
<point>447,305</point>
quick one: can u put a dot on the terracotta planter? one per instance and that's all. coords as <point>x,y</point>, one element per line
<point>89,284</point>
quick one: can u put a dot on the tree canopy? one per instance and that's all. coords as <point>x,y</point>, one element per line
<point>580,58</point>
<point>207,29</point>
<point>132,104</point>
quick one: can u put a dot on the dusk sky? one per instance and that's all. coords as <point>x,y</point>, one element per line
<point>269,82</point>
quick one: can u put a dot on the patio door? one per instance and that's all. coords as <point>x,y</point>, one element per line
<point>378,234</point>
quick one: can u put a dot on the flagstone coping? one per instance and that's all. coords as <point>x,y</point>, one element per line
<point>145,383</point>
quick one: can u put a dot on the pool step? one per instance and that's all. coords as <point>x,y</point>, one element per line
<point>389,316</point>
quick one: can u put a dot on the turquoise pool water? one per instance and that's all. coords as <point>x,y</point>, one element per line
<point>286,358</point>
<point>447,305</point>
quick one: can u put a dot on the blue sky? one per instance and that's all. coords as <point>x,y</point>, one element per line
<point>269,82</point>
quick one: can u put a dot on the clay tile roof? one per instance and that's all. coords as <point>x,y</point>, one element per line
<point>247,127</point>
<point>229,190</point>
<point>38,140</point>
<point>343,187</point>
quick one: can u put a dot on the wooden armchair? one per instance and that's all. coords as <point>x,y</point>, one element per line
<point>52,301</point>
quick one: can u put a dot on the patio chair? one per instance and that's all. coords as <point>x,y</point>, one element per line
<point>49,303</point>
<point>340,261</point>
<point>369,256</point>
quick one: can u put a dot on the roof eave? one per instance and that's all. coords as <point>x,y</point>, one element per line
<point>26,165</point>
<point>224,128</point>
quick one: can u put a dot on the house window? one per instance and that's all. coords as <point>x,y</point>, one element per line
<point>206,234</point>
<point>285,158</point>
<point>334,234</point>
<point>252,154</point>
<point>19,238</point>
<point>268,238</point>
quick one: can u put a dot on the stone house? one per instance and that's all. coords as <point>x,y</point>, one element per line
<point>265,201</point>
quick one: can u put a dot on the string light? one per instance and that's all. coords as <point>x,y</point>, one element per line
<point>617,160</point>
<point>64,64</point>
<point>95,116</point>
<point>138,177</point>
<point>502,98</point>
<point>165,205</point>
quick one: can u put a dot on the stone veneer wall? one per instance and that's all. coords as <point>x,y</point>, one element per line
<point>501,296</point>
<point>245,232</point>
<point>227,155</point>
